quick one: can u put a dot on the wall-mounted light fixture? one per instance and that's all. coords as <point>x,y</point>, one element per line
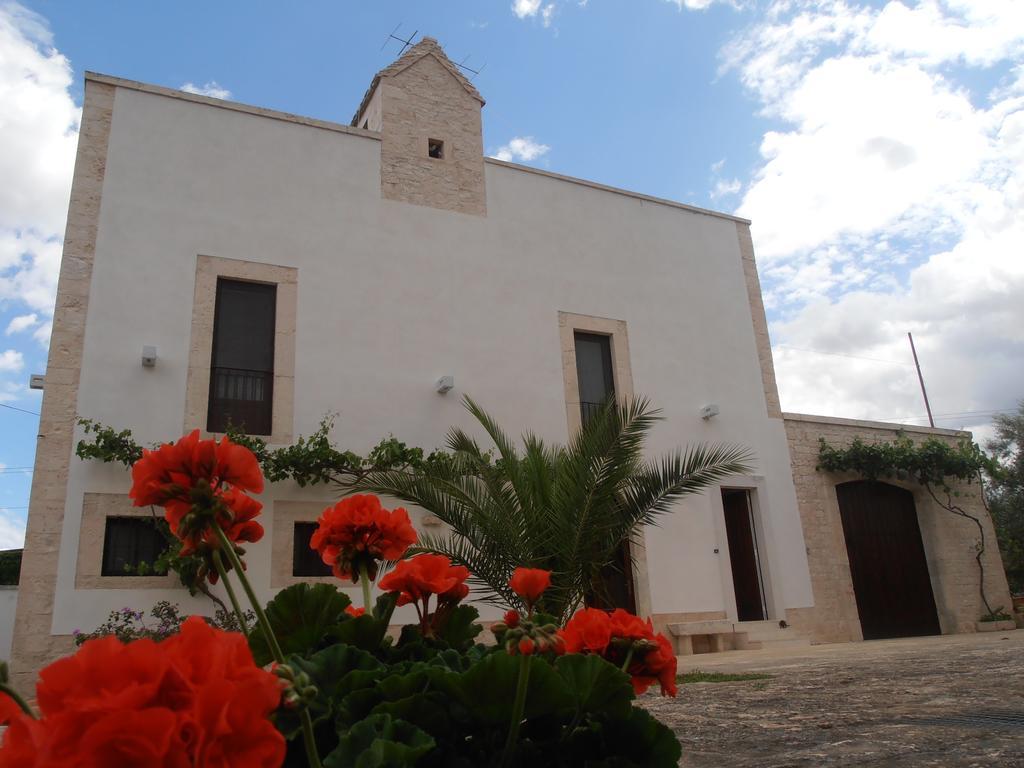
<point>148,356</point>
<point>709,410</point>
<point>35,381</point>
<point>445,384</point>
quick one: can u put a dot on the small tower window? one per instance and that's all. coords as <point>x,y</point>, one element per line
<point>435,148</point>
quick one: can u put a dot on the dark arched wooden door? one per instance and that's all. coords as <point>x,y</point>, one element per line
<point>887,561</point>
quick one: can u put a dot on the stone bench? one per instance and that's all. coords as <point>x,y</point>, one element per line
<point>716,631</point>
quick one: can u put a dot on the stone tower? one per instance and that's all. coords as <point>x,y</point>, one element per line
<point>428,115</point>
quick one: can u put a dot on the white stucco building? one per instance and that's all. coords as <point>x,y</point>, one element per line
<point>385,255</point>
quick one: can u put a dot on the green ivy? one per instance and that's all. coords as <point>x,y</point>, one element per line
<point>310,460</point>
<point>932,462</point>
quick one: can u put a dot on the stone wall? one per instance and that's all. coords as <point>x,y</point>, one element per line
<point>949,540</point>
<point>33,644</point>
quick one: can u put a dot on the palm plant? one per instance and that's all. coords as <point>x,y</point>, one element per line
<point>567,509</point>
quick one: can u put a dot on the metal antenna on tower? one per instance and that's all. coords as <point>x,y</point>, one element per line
<point>474,72</point>
<point>406,43</point>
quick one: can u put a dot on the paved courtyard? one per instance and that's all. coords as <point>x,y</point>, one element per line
<point>938,701</point>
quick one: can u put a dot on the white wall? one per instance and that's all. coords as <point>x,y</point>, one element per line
<point>8,604</point>
<point>392,296</point>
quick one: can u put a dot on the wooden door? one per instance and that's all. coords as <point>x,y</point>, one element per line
<point>743,555</point>
<point>614,587</point>
<point>887,560</point>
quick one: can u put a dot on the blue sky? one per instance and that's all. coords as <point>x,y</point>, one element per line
<point>878,148</point>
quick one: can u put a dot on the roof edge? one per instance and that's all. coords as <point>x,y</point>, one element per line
<point>249,109</point>
<point>868,424</point>
<point>233,106</point>
<point>618,190</point>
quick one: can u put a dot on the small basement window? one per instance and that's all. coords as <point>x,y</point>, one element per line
<point>435,148</point>
<point>128,542</point>
<point>306,561</point>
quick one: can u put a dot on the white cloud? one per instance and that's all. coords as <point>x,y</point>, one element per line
<point>700,5</point>
<point>211,89</point>
<point>21,323</point>
<point>723,188</point>
<point>547,14</point>
<point>525,8</point>
<point>11,361</point>
<point>12,530</point>
<point>42,334</point>
<point>38,136</point>
<point>521,149</point>
<point>890,199</point>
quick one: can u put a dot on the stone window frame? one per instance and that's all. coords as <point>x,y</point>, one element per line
<point>197,399</point>
<point>286,514</point>
<point>96,508</point>
<point>622,374</point>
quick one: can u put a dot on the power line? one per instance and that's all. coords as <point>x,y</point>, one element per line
<point>14,408</point>
<point>957,415</point>
<point>840,354</point>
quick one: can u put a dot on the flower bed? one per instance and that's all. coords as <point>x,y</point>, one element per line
<point>317,681</point>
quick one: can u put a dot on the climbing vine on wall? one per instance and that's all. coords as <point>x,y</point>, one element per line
<point>939,467</point>
<point>310,460</point>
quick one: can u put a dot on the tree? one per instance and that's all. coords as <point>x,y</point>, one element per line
<point>567,509</point>
<point>1006,492</point>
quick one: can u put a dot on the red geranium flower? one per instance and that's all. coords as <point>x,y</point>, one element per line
<point>173,469</point>
<point>621,635</point>
<point>355,612</point>
<point>199,482</point>
<point>195,699</point>
<point>358,532</point>
<point>529,584</point>
<point>420,577</point>
<point>511,619</point>
<point>588,631</point>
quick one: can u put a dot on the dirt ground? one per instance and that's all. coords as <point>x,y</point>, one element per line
<point>940,701</point>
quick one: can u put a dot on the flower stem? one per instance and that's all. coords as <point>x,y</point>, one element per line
<point>629,658</point>
<point>275,648</point>
<point>218,562</point>
<point>261,616</point>
<point>517,710</point>
<point>6,689</point>
<point>364,581</point>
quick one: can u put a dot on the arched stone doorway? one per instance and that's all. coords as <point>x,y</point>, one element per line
<point>887,561</point>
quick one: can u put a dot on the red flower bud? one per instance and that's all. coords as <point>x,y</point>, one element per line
<point>526,646</point>
<point>511,619</point>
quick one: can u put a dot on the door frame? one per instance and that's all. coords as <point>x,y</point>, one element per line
<point>760,511</point>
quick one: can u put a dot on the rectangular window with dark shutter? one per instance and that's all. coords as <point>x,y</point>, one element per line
<point>242,367</point>
<point>129,542</point>
<point>306,561</point>
<point>593,371</point>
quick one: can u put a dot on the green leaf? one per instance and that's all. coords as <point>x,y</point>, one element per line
<point>460,628</point>
<point>380,742</point>
<point>385,606</point>
<point>336,671</point>
<point>488,689</point>
<point>597,686</point>
<point>300,617</point>
<point>643,740</point>
<point>364,632</point>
